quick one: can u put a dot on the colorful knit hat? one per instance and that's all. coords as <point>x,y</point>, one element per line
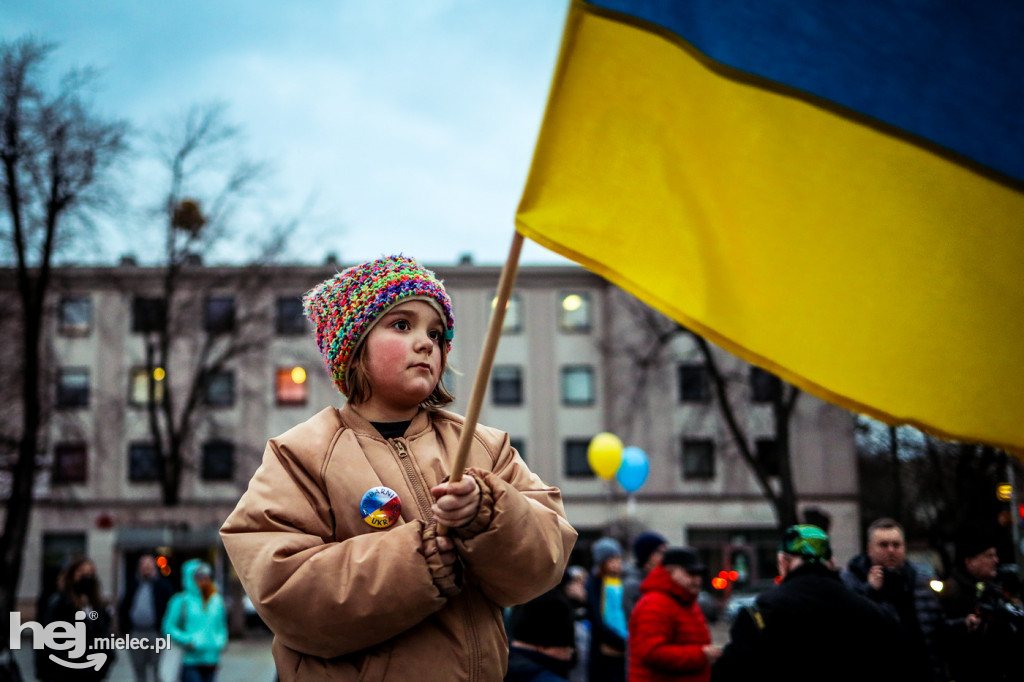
<point>807,542</point>
<point>345,307</point>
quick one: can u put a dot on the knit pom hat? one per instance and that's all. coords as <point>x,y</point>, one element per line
<point>345,307</point>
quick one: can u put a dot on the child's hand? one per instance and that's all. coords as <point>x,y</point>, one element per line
<point>457,503</point>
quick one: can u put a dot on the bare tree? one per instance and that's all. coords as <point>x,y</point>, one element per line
<point>647,354</point>
<point>207,180</point>
<point>57,155</point>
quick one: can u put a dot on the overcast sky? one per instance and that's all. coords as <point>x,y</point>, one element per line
<point>408,124</point>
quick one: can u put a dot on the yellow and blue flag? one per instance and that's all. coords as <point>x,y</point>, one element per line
<point>831,189</point>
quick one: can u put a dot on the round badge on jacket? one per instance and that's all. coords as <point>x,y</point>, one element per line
<point>380,507</point>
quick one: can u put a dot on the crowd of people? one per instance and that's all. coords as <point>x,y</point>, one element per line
<point>194,619</point>
<point>879,617</point>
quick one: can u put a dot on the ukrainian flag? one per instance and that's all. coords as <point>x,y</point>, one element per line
<point>830,189</point>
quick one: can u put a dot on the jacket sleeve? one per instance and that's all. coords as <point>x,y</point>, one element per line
<point>519,544</point>
<point>651,631</point>
<point>173,621</point>
<point>321,596</point>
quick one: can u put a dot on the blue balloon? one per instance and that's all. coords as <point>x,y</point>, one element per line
<point>634,469</point>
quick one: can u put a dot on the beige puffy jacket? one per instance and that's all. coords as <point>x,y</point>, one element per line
<point>347,601</point>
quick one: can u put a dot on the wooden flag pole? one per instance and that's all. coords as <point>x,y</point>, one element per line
<point>483,372</point>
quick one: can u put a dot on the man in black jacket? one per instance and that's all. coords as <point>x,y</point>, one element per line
<point>883,575</point>
<point>141,612</point>
<point>810,627</point>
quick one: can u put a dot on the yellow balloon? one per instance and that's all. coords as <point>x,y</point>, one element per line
<point>604,454</point>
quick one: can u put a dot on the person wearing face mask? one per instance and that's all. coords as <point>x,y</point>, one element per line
<point>196,620</point>
<point>80,592</point>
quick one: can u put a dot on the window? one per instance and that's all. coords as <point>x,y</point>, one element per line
<point>291,386</point>
<point>765,387</point>
<point>574,312</point>
<point>694,384</point>
<point>767,455</point>
<point>75,315</point>
<point>507,386</point>
<point>73,387</point>
<point>519,445</point>
<point>148,314</point>
<point>576,464</point>
<point>219,314</point>
<point>578,385</point>
<point>290,319</point>
<point>143,463</point>
<point>70,462</point>
<point>218,460</point>
<point>698,459</point>
<point>219,388</point>
<point>513,322</point>
<point>138,389</point>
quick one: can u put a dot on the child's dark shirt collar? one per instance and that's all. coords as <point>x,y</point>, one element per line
<point>391,429</point>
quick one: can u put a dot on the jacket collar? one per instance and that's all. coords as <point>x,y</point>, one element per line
<point>351,418</point>
<point>659,580</point>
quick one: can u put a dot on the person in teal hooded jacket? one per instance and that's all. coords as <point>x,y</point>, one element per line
<point>196,620</point>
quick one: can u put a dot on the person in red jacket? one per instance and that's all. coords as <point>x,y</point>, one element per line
<point>668,636</point>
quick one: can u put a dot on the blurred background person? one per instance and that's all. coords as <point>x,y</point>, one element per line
<point>647,550</point>
<point>607,616</point>
<point>542,639</point>
<point>883,575</point>
<point>80,591</point>
<point>811,627</point>
<point>141,612</point>
<point>668,636</point>
<point>985,628</point>
<point>196,620</point>
<point>575,586</point>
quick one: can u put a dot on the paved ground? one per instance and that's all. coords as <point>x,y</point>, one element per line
<point>245,660</point>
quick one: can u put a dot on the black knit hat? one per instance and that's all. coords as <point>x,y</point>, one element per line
<point>686,557</point>
<point>545,621</point>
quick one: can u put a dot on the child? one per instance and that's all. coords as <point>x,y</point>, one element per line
<point>336,540</point>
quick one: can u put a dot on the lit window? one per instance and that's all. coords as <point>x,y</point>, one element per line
<point>148,314</point>
<point>507,386</point>
<point>138,390</point>
<point>698,459</point>
<point>290,319</point>
<point>694,384</point>
<point>574,312</point>
<point>576,463</point>
<point>219,314</point>
<point>578,385</point>
<point>218,460</point>
<point>70,463</point>
<point>291,386</point>
<point>73,387</point>
<point>143,463</point>
<point>513,322</point>
<point>219,389</point>
<point>75,316</point>
<point>765,387</point>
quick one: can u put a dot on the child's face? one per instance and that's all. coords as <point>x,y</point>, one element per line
<point>403,358</point>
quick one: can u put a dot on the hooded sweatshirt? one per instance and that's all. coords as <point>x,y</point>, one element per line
<point>200,627</point>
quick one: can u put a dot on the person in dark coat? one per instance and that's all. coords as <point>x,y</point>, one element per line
<point>883,575</point>
<point>811,627</point>
<point>81,592</point>
<point>985,630</point>
<point>542,646</point>
<point>140,613</point>
<point>668,636</point>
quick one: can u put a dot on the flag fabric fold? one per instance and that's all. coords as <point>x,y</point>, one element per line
<point>831,190</point>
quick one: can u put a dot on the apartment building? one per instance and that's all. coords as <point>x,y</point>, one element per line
<point>578,356</point>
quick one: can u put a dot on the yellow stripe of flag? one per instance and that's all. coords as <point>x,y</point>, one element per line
<point>856,264</point>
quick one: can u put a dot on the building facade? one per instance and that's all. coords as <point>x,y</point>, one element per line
<point>578,356</point>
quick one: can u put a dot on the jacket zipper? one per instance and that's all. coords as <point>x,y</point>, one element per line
<point>414,481</point>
